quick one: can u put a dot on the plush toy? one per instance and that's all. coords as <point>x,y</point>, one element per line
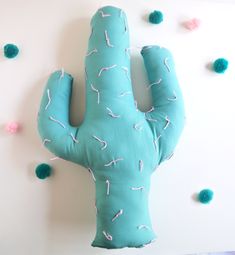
<point>119,145</point>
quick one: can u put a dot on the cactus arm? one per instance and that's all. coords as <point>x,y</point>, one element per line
<point>53,119</point>
<point>108,63</point>
<point>167,116</point>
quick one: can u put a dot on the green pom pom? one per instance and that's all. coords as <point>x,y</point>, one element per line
<point>220,65</point>
<point>43,171</point>
<point>156,17</point>
<point>10,50</point>
<point>205,196</point>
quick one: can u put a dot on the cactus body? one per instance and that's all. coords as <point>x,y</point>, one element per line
<point>120,145</point>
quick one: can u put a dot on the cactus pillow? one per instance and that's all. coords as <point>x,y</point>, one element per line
<point>120,145</point>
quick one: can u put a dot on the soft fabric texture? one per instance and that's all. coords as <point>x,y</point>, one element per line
<point>120,145</point>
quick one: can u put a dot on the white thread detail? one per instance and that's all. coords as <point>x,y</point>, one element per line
<point>55,158</point>
<point>62,73</point>
<point>46,141</point>
<point>104,143</point>
<point>110,113</point>
<point>167,123</point>
<point>91,52</point>
<point>92,174</point>
<point>155,142</point>
<point>127,72</point>
<point>151,109</point>
<point>73,138</point>
<point>57,121</point>
<point>151,119</point>
<point>166,64</point>
<point>49,99</point>
<point>154,83</point>
<point>143,226</point>
<point>108,187</point>
<point>119,213</point>
<point>113,162</point>
<point>125,93</point>
<point>103,15</point>
<point>174,98</point>
<point>127,51</point>
<point>107,39</point>
<point>107,236</point>
<point>138,188</point>
<point>92,30</point>
<point>141,165</point>
<point>106,69</point>
<point>138,126</point>
<point>136,105</point>
<point>98,93</point>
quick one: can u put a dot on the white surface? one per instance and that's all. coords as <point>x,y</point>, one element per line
<point>57,216</point>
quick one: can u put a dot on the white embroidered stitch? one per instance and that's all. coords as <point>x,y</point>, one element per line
<point>138,188</point>
<point>167,123</point>
<point>113,162</point>
<point>127,72</point>
<point>108,187</point>
<point>104,143</point>
<point>125,93</point>
<point>154,83</point>
<point>141,165</point>
<point>120,212</point>
<point>46,141</point>
<point>143,226</point>
<point>138,126</point>
<point>166,64</point>
<point>110,113</point>
<point>107,39</point>
<point>49,99</point>
<point>62,73</point>
<point>92,30</point>
<point>98,93</point>
<point>151,119</point>
<point>106,69</point>
<point>57,121</point>
<point>104,15</point>
<point>107,236</point>
<point>73,137</point>
<point>155,142</point>
<point>127,51</point>
<point>136,105</point>
<point>174,98</point>
<point>151,109</point>
<point>55,158</point>
<point>92,174</point>
<point>91,52</point>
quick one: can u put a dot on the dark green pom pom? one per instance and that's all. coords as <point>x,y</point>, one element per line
<point>220,65</point>
<point>205,196</point>
<point>43,171</point>
<point>156,17</point>
<point>10,50</point>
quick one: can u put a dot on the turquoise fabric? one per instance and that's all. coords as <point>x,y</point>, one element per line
<point>120,145</point>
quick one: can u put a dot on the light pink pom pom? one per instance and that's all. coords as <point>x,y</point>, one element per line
<point>192,24</point>
<point>12,127</point>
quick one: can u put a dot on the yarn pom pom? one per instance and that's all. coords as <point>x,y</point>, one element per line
<point>156,17</point>
<point>205,196</point>
<point>10,50</point>
<point>220,65</point>
<point>12,127</point>
<point>192,24</point>
<point>43,171</point>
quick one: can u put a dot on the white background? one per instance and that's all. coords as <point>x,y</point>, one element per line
<point>57,216</point>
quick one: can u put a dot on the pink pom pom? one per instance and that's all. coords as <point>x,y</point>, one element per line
<point>192,24</point>
<point>12,127</point>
